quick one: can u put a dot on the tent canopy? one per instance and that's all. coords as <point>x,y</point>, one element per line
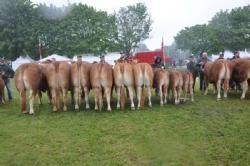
<point>56,57</point>
<point>21,60</point>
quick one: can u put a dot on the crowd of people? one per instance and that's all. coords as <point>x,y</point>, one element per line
<point>197,67</point>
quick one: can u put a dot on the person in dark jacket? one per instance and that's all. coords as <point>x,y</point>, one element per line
<point>203,60</point>
<point>158,62</point>
<point>192,67</point>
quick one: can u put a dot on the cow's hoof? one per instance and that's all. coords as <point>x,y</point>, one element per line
<point>31,113</point>
<point>25,112</point>
<point>132,108</point>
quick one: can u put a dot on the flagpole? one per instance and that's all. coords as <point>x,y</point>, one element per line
<point>163,52</point>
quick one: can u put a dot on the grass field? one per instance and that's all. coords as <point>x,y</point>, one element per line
<point>206,132</point>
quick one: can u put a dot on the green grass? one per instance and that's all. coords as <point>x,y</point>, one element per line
<point>206,132</point>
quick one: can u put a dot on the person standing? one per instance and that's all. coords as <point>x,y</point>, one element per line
<point>6,66</point>
<point>202,62</point>
<point>221,55</point>
<point>192,67</point>
<point>102,59</point>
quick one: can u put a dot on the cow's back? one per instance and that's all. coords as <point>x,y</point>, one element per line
<point>28,76</point>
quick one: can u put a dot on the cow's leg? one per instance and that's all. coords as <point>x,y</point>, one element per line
<point>226,87</point>
<point>96,98</point>
<point>244,85</point>
<point>108,96</point>
<point>174,92</point>
<point>23,101</point>
<point>40,97</point>
<point>131,97</point>
<point>118,91</point>
<point>139,91</point>
<point>214,88</point>
<point>206,86</point>
<point>179,90</point>
<point>76,97</point>
<point>86,96</point>
<point>100,98</point>
<point>185,90</point>
<point>31,100</point>
<point>160,94</point>
<point>218,89</point>
<point>191,92</point>
<point>165,94</point>
<point>149,96</point>
<point>54,100</point>
<point>65,92</point>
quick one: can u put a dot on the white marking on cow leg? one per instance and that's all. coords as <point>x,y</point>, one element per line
<point>96,98</point>
<point>118,90</point>
<point>165,95</point>
<point>244,85</point>
<point>218,89</point>
<point>149,96</point>
<point>175,96</point>
<point>179,94</point>
<point>76,95</point>
<point>31,98</point>
<point>108,96</point>
<point>191,92</point>
<point>86,91</point>
<point>131,97</point>
<point>160,94</point>
<point>139,89</point>
<point>54,98</point>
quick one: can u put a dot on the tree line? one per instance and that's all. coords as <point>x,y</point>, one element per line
<point>227,30</point>
<point>69,30</point>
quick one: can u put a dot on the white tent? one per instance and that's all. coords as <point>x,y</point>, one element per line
<point>228,55</point>
<point>21,60</point>
<point>56,57</point>
<point>109,58</point>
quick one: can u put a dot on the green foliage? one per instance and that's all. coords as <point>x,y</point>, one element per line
<point>134,25</point>
<point>74,29</point>
<point>227,30</point>
<point>232,28</point>
<point>17,33</point>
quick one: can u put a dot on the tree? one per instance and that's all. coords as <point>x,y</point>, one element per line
<point>196,39</point>
<point>134,25</point>
<point>17,18</point>
<point>85,30</point>
<point>232,28</point>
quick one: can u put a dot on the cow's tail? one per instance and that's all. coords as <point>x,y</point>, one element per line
<point>227,77</point>
<point>143,96</point>
<point>20,86</point>
<point>123,97</point>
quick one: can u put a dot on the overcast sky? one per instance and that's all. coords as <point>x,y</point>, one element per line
<point>169,16</point>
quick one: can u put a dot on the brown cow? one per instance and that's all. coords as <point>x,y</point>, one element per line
<point>58,75</point>
<point>188,83</point>
<point>161,83</point>
<point>29,77</point>
<point>80,80</point>
<point>176,84</point>
<point>143,76</point>
<point>123,76</point>
<point>1,89</point>
<point>215,73</point>
<point>101,78</point>
<point>240,68</point>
